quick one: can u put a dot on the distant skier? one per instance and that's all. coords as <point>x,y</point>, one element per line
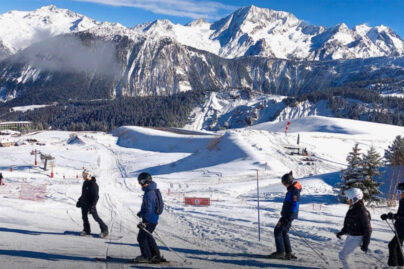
<point>150,253</point>
<point>356,226</point>
<point>290,210</point>
<point>1,179</point>
<point>88,202</point>
<point>395,255</point>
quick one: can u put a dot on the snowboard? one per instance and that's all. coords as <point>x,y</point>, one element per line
<point>110,236</point>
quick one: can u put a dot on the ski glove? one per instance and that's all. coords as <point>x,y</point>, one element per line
<point>383,216</point>
<point>364,248</point>
<point>391,216</point>
<point>141,226</point>
<point>339,234</point>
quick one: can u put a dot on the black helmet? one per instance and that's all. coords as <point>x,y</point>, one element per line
<point>144,178</point>
<point>400,186</point>
<point>287,178</point>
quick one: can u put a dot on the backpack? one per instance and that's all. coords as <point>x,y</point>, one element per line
<point>159,206</point>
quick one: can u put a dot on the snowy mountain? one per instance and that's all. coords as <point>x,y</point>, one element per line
<point>247,31</point>
<point>86,66</point>
<point>20,29</point>
<point>269,33</point>
<point>85,59</point>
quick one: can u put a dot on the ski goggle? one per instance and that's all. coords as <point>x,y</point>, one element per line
<point>399,192</point>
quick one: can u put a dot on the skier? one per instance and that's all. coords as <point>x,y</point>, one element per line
<point>88,201</point>
<point>395,254</point>
<point>356,226</point>
<point>1,179</point>
<point>150,253</point>
<point>290,210</point>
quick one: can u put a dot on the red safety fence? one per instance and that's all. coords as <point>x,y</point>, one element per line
<point>197,201</point>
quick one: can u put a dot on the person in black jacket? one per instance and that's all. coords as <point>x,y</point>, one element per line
<point>395,250</point>
<point>356,226</point>
<point>88,202</point>
<point>290,210</point>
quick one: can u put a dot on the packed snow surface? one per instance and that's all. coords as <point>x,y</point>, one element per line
<point>221,165</point>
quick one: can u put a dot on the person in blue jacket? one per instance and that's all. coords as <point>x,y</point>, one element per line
<point>150,253</point>
<point>290,210</point>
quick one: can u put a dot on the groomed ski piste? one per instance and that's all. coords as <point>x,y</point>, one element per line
<point>222,166</point>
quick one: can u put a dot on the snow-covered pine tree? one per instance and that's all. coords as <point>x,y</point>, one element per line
<point>371,161</point>
<point>394,156</point>
<point>352,176</point>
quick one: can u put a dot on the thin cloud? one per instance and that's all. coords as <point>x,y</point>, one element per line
<point>180,8</point>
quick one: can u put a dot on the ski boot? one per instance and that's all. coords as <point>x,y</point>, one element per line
<point>140,259</point>
<point>84,233</point>
<point>157,259</point>
<point>104,234</point>
<point>290,256</point>
<point>277,255</point>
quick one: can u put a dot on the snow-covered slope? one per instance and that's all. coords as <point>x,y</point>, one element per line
<point>222,166</point>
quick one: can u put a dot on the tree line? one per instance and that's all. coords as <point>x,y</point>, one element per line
<point>363,171</point>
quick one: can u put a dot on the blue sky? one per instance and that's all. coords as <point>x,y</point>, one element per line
<point>319,12</point>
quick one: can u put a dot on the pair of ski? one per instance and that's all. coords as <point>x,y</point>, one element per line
<point>110,236</point>
<point>111,259</point>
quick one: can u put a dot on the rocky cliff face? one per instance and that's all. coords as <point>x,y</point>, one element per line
<point>89,66</point>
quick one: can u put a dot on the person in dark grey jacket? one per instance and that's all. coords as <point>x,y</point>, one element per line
<point>356,226</point>
<point>395,251</point>
<point>88,202</point>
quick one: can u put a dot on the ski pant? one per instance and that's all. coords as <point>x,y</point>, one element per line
<point>282,241</point>
<point>86,223</point>
<point>147,244</point>
<point>351,242</point>
<point>395,256</point>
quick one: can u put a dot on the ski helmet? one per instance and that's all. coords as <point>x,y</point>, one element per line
<point>87,173</point>
<point>287,178</point>
<point>144,178</point>
<point>354,194</point>
<point>400,186</point>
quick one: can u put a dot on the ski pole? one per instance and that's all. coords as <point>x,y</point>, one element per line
<point>378,259</point>
<point>161,241</point>
<point>395,232</point>
<point>307,243</point>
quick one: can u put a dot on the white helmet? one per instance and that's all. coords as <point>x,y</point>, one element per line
<point>354,194</point>
<point>87,173</point>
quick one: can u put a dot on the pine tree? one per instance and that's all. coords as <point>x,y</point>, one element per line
<point>352,176</point>
<point>394,156</point>
<point>372,162</point>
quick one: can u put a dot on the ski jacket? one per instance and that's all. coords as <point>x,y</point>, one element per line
<point>147,211</point>
<point>89,194</point>
<point>357,222</point>
<point>399,224</point>
<point>290,208</point>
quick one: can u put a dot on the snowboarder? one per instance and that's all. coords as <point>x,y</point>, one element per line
<point>1,179</point>
<point>395,255</point>
<point>88,201</point>
<point>150,253</point>
<point>290,210</point>
<point>356,226</point>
